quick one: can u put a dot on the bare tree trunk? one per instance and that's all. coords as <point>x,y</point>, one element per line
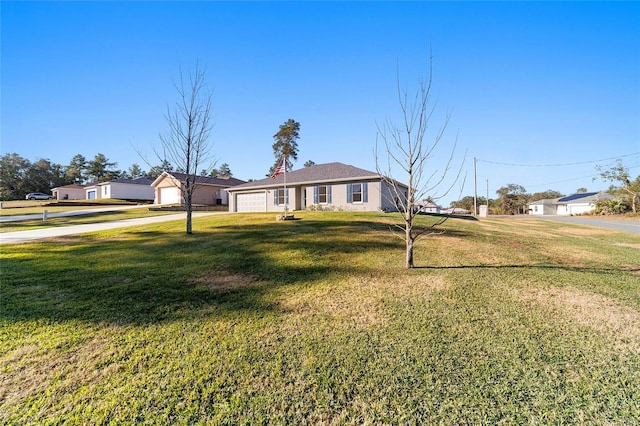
<point>409,239</point>
<point>189,204</point>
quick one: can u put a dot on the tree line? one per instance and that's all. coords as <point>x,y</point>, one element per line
<point>513,198</point>
<point>20,176</point>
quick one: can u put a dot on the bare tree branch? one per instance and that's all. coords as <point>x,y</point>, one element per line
<point>186,144</point>
<point>406,149</point>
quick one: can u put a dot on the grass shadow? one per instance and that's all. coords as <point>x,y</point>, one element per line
<point>154,275</point>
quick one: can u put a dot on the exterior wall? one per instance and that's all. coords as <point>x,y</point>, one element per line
<point>63,193</point>
<point>164,183</point>
<point>339,197</point>
<point>203,194</point>
<point>207,194</point>
<point>92,192</point>
<point>294,199</point>
<point>574,208</point>
<point>124,191</point>
<point>431,209</point>
<point>542,209</point>
<point>387,197</point>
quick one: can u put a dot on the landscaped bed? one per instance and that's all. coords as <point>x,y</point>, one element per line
<point>251,321</point>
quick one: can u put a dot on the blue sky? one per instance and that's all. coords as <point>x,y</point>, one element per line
<point>528,84</point>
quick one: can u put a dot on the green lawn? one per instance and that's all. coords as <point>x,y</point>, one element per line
<point>315,321</point>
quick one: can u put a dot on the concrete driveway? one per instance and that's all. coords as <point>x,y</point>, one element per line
<point>38,234</point>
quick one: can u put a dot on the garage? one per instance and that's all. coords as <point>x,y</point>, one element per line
<point>170,195</point>
<point>251,202</point>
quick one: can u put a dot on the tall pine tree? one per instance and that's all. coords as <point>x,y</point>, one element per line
<point>286,144</point>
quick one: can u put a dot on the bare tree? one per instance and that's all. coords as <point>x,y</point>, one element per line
<point>407,149</point>
<point>186,144</point>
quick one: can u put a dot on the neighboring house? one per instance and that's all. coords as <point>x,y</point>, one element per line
<point>331,186</point>
<point>209,190</point>
<point>570,205</point>
<point>428,207</point>
<point>121,189</point>
<point>543,207</point>
<point>456,210</point>
<point>69,192</point>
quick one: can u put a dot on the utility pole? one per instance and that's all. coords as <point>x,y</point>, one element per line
<point>475,188</point>
<point>487,197</point>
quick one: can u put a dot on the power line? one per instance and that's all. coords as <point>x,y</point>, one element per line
<point>558,165</point>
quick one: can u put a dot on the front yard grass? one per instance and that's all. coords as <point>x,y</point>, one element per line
<point>315,321</point>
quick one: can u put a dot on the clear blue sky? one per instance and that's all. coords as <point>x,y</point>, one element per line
<point>528,84</point>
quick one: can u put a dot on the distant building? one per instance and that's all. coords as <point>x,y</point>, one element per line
<point>428,207</point>
<point>570,205</point>
<point>69,192</point>
<point>138,189</point>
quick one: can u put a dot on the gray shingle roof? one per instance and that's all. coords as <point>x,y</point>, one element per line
<point>329,172</point>
<point>581,197</point>
<point>207,180</point>
<point>136,181</point>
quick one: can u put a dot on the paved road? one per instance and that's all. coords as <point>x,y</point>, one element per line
<point>38,234</point>
<point>618,225</point>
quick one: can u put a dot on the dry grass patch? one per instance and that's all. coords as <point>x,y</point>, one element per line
<point>359,302</point>
<point>619,323</point>
<point>584,231</point>
<point>223,282</point>
<point>633,246</point>
<point>576,257</point>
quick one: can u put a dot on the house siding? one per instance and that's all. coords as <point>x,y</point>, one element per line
<point>70,192</point>
<point>129,191</point>
<point>570,209</point>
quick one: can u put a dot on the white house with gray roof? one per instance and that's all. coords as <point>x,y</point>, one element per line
<point>322,186</point>
<point>122,189</point>
<point>580,203</point>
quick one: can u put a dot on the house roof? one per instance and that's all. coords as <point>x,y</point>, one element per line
<point>319,173</point>
<point>577,196</point>
<point>136,181</point>
<point>581,197</point>
<point>428,205</point>
<point>72,186</point>
<point>201,180</point>
<point>544,201</point>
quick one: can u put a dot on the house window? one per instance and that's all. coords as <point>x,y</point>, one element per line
<point>357,193</point>
<point>322,194</point>
<point>280,197</point>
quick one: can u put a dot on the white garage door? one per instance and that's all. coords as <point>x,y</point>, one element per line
<point>170,195</point>
<point>252,202</point>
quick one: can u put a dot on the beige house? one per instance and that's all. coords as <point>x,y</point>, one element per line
<point>69,192</point>
<point>323,186</point>
<point>209,190</point>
